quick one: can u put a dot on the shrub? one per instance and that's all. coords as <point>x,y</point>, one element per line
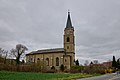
<point>94,69</point>
<point>62,67</point>
<point>53,68</point>
<point>39,67</point>
<point>67,70</point>
<point>76,69</point>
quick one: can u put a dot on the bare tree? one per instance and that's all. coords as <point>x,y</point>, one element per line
<point>18,51</point>
<point>1,58</point>
<point>95,61</point>
<point>3,54</point>
<point>86,63</point>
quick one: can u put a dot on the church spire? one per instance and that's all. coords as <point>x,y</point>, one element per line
<point>69,23</point>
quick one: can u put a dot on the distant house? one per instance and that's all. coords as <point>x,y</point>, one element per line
<point>104,64</point>
<point>107,64</point>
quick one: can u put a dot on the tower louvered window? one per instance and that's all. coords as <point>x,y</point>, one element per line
<point>68,39</point>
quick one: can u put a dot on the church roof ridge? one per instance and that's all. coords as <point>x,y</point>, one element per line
<point>47,51</point>
<point>51,49</point>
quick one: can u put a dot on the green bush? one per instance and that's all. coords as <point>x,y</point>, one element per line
<point>53,68</point>
<point>76,69</point>
<point>39,67</point>
<point>93,69</point>
<point>62,67</point>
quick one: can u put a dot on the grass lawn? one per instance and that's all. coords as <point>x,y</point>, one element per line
<point>40,76</point>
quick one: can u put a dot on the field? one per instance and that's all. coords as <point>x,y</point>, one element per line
<point>40,76</point>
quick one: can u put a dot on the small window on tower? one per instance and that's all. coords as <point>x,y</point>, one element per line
<point>68,39</point>
<point>67,47</point>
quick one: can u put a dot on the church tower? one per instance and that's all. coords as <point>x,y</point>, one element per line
<point>69,43</point>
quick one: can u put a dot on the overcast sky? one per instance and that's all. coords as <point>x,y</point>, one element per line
<point>39,24</point>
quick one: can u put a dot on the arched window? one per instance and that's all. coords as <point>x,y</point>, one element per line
<point>68,39</point>
<point>57,61</point>
<point>47,61</point>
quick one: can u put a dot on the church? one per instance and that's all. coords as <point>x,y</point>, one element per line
<point>58,56</point>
